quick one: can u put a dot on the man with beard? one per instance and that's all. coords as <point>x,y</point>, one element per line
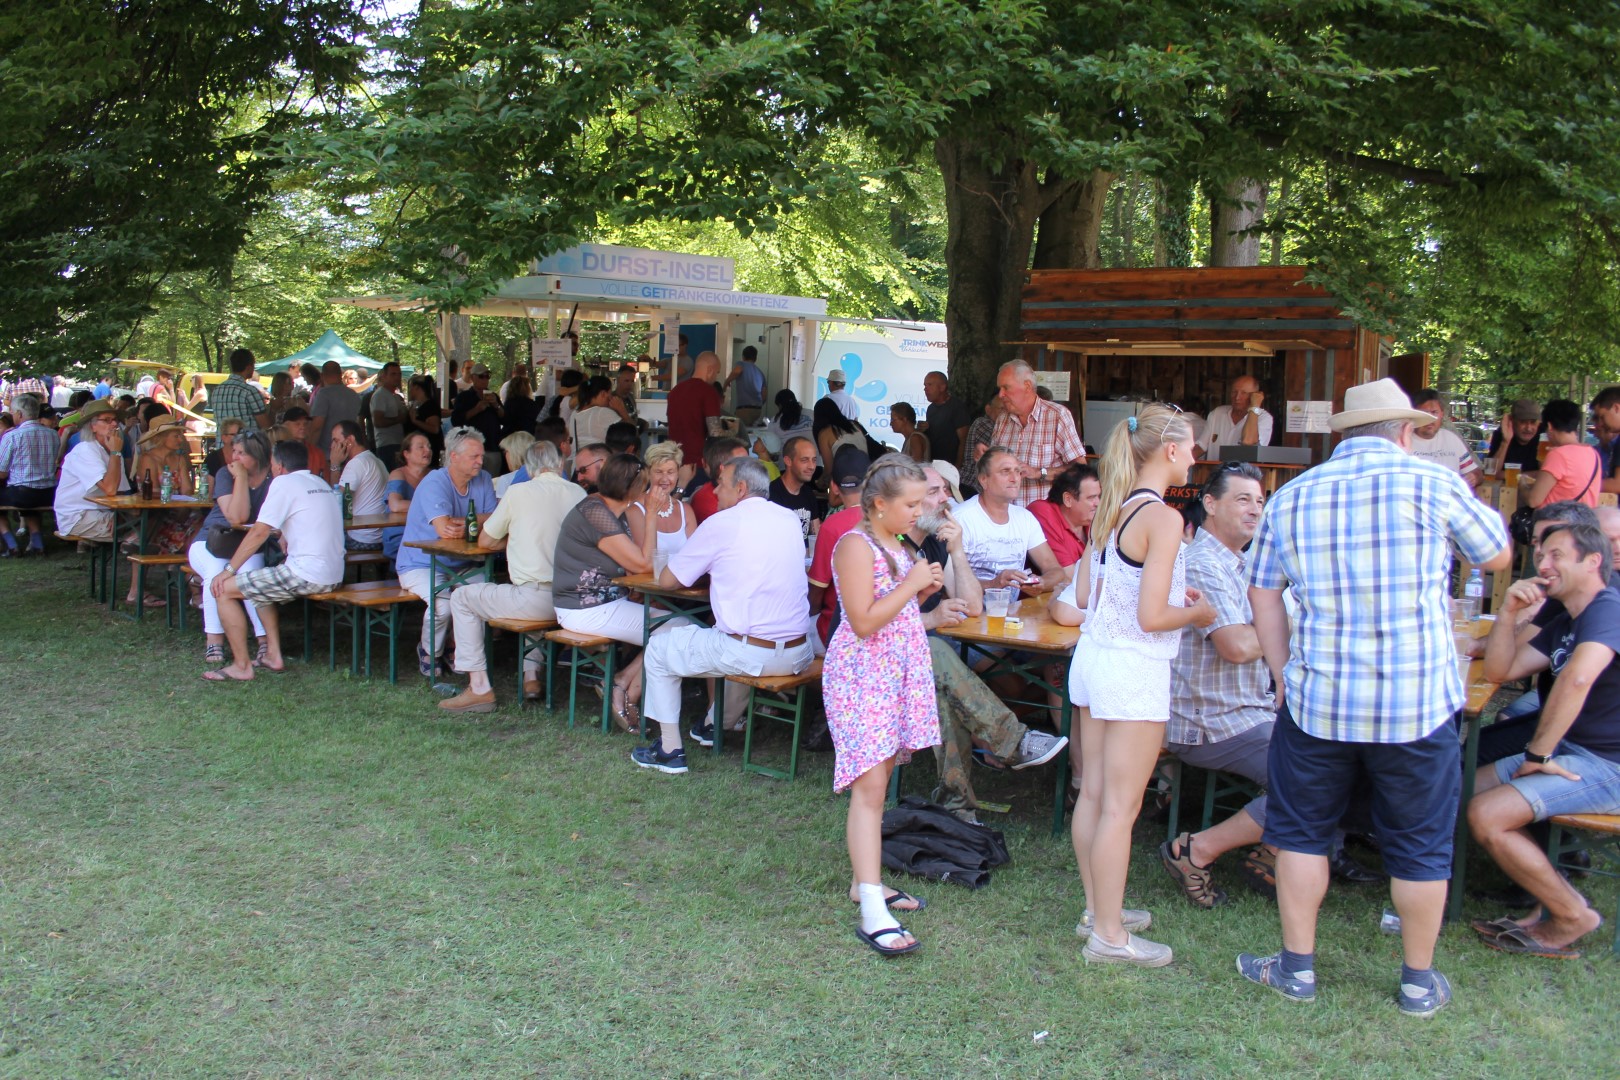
<point>969,710</point>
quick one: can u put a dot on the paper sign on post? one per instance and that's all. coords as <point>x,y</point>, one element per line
<point>1309,417</point>
<point>555,352</point>
<point>1055,381</point>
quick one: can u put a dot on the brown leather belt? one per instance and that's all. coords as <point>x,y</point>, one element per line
<point>766,643</point>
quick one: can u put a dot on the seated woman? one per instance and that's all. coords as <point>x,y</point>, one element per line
<point>239,490</point>
<point>672,519</point>
<point>1572,471</point>
<point>220,456</point>
<point>1066,512</point>
<point>592,413</point>
<point>913,443</point>
<point>594,549</point>
<point>514,446</point>
<point>164,447</point>
<point>416,461</point>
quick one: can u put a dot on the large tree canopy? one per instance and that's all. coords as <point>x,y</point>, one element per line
<point>136,140</point>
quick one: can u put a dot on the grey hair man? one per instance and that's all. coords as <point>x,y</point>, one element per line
<point>1039,434</point>
<point>525,525</point>
<point>753,554</point>
<point>27,474</point>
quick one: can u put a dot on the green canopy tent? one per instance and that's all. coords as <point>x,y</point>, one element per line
<point>327,347</point>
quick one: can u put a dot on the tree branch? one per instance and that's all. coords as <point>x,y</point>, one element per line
<point>1399,170</point>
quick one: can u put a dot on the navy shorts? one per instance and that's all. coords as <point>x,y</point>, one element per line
<point>1415,788</point>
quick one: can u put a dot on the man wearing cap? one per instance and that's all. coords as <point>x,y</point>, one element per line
<point>336,402</point>
<point>1040,434</point>
<point>27,473</point>
<point>792,489</point>
<point>297,421</point>
<point>480,408</point>
<point>1367,679</point>
<point>1436,442</point>
<point>1518,439</point>
<point>847,477</point>
<point>840,397</point>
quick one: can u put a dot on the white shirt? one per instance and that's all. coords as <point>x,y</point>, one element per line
<point>309,517</point>
<point>754,554</point>
<point>1446,448</point>
<point>82,470</point>
<point>845,403</point>
<point>991,547</point>
<point>366,476</point>
<point>387,405</point>
<point>531,517</point>
<point>590,425</point>
<point>1220,430</point>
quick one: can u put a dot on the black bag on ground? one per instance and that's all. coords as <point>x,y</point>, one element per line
<point>922,838</point>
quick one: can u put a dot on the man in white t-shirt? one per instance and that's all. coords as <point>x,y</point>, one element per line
<point>999,536</point>
<point>1438,443</point>
<point>753,552</point>
<point>1244,424</point>
<point>303,508</point>
<point>95,466</point>
<point>366,478</point>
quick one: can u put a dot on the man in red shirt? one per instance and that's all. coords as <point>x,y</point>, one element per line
<point>691,404</point>
<point>705,501</point>
<point>848,477</point>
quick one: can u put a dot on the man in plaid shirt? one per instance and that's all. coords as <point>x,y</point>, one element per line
<point>238,397</point>
<point>1368,679</point>
<point>27,474</point>
<point>1041,434</point>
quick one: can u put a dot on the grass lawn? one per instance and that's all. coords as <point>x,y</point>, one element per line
<point>318,876</point>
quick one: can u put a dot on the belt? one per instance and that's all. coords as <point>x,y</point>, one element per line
<point>766,643</point>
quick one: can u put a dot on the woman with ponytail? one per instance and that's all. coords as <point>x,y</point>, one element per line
<point>1133,589</point>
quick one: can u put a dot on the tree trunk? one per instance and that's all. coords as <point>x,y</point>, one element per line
<point>1280,208</point>
<point>1127,232</point>
<point>990,225</point>
<point>1071,226</point>
<point>1172,217</point>
<point>1234,215</point>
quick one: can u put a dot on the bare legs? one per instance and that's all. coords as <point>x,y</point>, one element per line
<point>1121,755</point>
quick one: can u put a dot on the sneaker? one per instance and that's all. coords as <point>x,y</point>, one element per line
<point>653,757</point>
<point>1037,748</point>
<point>703,734</point>
<point>1267,971</point>
<point>1134,921</point>
<point>1196,881</point>
<point>1138,951</point>
<point>1430,1001</point>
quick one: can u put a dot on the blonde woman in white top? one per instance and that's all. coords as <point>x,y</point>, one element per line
<point>671,516</point>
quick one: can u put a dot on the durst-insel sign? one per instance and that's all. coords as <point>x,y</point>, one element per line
<point>640,264</point>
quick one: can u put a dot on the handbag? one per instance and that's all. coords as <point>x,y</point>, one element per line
<point>222,541</point>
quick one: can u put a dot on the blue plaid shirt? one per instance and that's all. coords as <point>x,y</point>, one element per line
<point>28,455</point>
<point>235,399</point>
<point>1364,540</point>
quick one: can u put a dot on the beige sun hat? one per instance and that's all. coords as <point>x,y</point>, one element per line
<point>1375,402</point>
<point>161,426</point>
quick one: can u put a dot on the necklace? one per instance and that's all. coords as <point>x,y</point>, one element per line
<point>668,511</point>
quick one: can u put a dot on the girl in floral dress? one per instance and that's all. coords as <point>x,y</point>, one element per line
<point>878,680</point>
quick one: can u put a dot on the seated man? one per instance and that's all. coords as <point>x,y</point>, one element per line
<point>302,508</point>
<point>297,421</point>
<point>719,451</point>
<point>998,535</point>
<point>366,477</point>
<point>847,479</point>
<point>95,466</point>
<point>969,711</point>
<point>439,512</point>
<point>27,474</point>
<point>623,438</point>
<point>1572,762</point>
<point>1221,706</point>
<point>525,524</point>
<point>1438,443</point>
<point>1517,440</point>
<point>792,489</point>
<point>754,557</point>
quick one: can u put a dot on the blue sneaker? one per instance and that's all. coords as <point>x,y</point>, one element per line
<point>703,733</point>
<point>653,757</point>
<point>1429,1001</point>
<point>1267,971</point>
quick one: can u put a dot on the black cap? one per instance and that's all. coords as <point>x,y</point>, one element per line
<point>297,412</point>
<point>849,467</point>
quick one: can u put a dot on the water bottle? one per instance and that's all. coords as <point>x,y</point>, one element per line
<point>472,521</point>
<point>204,484</point>
<point>166,488</point>
<point>1474,588</point>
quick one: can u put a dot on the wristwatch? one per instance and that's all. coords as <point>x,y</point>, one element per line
<point>1255,410</point>
<point>1043,473</point>
<point>1535,758</point>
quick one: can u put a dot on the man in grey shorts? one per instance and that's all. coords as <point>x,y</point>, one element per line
<point>1572,762</point>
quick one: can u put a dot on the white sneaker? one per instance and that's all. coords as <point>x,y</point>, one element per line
<point>1037,748</point>
<point>1138,951</point>
<point>1134,921</point>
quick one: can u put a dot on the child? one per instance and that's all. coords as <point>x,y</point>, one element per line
<point>878,681</point>
<point>1133,584</point>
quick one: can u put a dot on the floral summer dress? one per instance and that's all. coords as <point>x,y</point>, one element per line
<point>879,692</point>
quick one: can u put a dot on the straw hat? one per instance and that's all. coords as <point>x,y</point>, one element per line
<point>1375,402</point>
<point>162,426</point>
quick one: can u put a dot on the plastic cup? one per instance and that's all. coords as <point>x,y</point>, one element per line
<point>1464,663</point>
<point>996,602</point>
<point>659,561</point>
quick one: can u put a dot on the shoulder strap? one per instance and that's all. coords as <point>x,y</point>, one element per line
<point>1597,464</point>
<point>1120,532</point>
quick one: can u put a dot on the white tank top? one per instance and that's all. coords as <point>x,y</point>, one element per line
<point>668,542</point>
<point>1116,588</point>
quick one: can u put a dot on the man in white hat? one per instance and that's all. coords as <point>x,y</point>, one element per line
<point>1367,682</point>
<point>840,397</point>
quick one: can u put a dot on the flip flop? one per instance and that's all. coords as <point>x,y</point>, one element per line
<point>1518,940</point>
<point>900,896</point>
<point>888,931</point>
<point>218,675</point>
<point>1489,928</point>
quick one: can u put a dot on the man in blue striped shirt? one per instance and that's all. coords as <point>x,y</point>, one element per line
<point>1368,678</point>
<point>27,474</point>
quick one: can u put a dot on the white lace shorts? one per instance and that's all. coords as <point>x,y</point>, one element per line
<point>1119,684</point>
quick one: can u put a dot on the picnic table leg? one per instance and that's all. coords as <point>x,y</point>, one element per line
<point>719,714</point>
<point>1066,715</point>
<point>1459,840</point>
<point>433,615</point>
